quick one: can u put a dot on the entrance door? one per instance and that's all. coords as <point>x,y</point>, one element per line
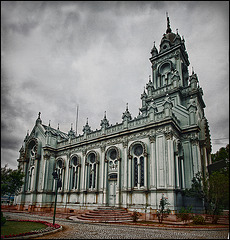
<point>112,192</point>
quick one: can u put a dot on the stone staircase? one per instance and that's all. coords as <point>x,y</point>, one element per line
<point>223,219</point>
<point>104,214</point>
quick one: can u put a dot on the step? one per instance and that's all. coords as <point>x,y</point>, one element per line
<point>105,214</point>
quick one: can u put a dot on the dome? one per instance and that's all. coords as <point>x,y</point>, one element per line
<point>170,36</point>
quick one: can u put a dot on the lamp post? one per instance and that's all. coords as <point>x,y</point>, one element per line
<point>55,176</point>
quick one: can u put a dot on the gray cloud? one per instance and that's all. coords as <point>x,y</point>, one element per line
<point>56,55</point>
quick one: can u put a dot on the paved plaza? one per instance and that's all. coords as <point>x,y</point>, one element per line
<point>81,230</point>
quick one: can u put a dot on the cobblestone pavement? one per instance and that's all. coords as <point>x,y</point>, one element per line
<point>79,230</point>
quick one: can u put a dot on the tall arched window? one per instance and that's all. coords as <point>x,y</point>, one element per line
<point>60,171</point>
<point>30,179</point>
<point>92,170</point>
<point>75,173</point>
<point>31,154</point>
<point>139,165</point>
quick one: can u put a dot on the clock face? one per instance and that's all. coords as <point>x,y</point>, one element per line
<point>138,150</point>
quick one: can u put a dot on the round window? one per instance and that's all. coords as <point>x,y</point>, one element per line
<point>113,154</point>
<point>138,150</point>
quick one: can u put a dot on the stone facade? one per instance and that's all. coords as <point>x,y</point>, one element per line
<point>129,164</point>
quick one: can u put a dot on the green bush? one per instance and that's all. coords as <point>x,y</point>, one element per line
<point>185,214</point>
<point>135,216</point>
<point>3,219</point>
<point>199,220</point>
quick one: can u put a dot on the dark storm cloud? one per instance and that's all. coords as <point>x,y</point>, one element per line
<point>57,54</point>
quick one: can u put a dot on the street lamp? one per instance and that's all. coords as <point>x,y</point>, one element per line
<point>58,185</point>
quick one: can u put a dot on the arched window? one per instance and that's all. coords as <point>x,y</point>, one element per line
<point>31,179</point>
<point>60,171</point>
<point>92,170</point>
<point>113,161</point>
<point>75,173</point>
<point>139,165</point>
<point>31,154</point>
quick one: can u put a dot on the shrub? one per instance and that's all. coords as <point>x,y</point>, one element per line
<point>198,220</point>
<point>135,216</point>
<point>163,212</point>
<point>185,214</point>
<point>3,219</point>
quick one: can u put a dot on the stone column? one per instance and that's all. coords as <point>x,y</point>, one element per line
<point>130,173</point>
<point>105,182</point>
<point>46,157</point>
<point>182,174</point>
<point>170,151</point>
<point>125,169</point>
<point>102,167</point>
<point>118,182</point>
<point>83,170</point>
<point>146,170</point>
<point>152,160</point>
<point>97,175</point>
<point>177,170</point>
<point>78,176</point>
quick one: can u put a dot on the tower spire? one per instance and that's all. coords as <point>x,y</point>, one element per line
<point>169,30</point>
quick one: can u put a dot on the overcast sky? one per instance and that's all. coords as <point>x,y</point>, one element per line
<point>56,55</point>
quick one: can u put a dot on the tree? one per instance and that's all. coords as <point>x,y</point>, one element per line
<point>222,154</point>
<point>214,190</point>
<point>11,181</point>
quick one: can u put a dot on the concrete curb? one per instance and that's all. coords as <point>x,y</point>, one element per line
<point>36,234</point>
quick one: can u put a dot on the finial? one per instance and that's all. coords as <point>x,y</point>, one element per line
<point>192,70</point>
<point>39,114</point>
<point>168,24</point>
<point>105,114</point>
<point>28,132</point>
<point>71,126</point>
<point>177,31</point>
<point>87,121</point>
<point>149,78</point>
<point>49,123</point>
<point>154,43</point>
<point>58,126</point>
<point>127,106</point>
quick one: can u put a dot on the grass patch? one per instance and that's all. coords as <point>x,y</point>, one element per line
<point>14,227</point>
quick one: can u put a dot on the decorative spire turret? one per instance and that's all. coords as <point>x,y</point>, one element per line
<point>39,121</point>
<point>104,122</point>
<point>154,50</point>
<point>71,132</point>
<point>126,115</point>
<point>86,128</point>
<point>149,86</point>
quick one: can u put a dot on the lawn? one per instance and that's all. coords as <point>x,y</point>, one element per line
<point>14,227</point>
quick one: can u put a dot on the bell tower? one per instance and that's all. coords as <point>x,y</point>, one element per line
<point>171,62</point>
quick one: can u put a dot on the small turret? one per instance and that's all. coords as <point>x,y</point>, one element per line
<point>104,122</point>
<point>39,121</point>
<point>71,132</point>
<point>154,50</point>
<point>86,128</point>
<point>126,115</point>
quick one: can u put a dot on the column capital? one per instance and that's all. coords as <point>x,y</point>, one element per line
<point>152,138</point>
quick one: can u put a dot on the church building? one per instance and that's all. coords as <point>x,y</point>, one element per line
<point>132,163</point>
